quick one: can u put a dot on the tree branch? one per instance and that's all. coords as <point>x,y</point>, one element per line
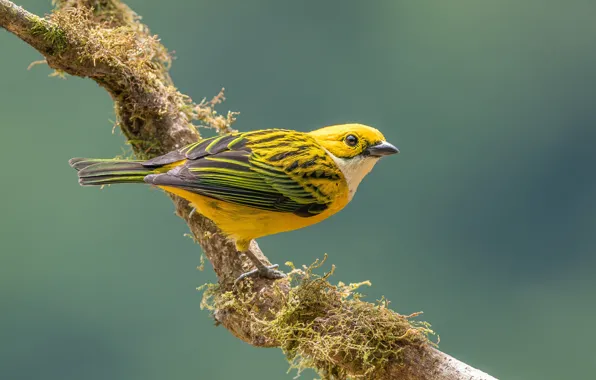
<point>105,41</point>
<point>21,23</point>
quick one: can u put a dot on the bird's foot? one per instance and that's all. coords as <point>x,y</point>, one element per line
<point>269,272</point>
<point>192,212</point>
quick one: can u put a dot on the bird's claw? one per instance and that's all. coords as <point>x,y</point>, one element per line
<point>269,272</point>
<point>192,212</point>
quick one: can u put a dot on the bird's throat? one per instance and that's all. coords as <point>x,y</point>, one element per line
<point>354,170</point>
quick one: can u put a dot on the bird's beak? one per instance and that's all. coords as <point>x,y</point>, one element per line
<point>381,149</point>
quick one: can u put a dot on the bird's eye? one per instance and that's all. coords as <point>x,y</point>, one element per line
<point>351,140</point>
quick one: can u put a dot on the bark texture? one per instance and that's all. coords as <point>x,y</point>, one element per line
<point>97,39</point>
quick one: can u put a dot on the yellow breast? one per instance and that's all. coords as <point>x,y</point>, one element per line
<point>243,223</point>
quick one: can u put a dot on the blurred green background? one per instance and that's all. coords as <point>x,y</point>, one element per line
<point>486,221</point>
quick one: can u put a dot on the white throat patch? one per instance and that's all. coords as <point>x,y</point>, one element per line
<point>354,170</point>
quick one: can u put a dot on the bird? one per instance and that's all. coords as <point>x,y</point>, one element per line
<point>256,183</point>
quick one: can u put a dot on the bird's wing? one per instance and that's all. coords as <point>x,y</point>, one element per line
<point>281,171</point>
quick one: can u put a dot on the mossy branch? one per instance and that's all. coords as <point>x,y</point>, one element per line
<point>318,325</point>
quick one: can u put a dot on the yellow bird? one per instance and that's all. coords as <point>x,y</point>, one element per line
<point>258,183</point>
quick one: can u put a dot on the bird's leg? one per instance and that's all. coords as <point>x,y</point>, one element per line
<point>262,269</point>
<point>192,212</point>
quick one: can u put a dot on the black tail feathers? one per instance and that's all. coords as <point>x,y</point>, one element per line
<point>97,172</point>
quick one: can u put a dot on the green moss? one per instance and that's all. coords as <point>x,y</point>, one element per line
<point>122,43</point>
<point>51,33</point>
<point>143,149</point>
<point>326,327</point>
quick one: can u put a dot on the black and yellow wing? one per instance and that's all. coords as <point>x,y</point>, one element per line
<point>274,170</point>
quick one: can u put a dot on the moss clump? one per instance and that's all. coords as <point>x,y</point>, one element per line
<point>326,327</point>
<point>108,42</point>
<point>126,46</point>
<point>51,33</point>
<point>113,12</point>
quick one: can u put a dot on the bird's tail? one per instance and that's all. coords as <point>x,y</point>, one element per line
<point>99,172</point>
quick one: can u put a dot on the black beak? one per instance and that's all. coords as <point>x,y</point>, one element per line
<point>381,149</point>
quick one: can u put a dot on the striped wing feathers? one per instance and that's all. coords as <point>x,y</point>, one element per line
<point>273,170</point>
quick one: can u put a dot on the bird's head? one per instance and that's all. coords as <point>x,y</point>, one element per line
<point>355,148</point>
<point>348,141</point>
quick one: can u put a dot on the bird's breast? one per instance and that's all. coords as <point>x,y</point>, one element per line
<point>246,223</point>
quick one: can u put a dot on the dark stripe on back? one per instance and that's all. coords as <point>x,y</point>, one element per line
<point>292,167</point>
<point>282,155</point>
